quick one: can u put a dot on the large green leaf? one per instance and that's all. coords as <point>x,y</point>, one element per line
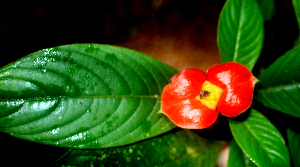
<point>293,138</point>
<point>260,140</point>
<point>240,32</point>
<point>279,84</point>
<point>237,157</point>
<point>84,96</point>
<point>182,148</point>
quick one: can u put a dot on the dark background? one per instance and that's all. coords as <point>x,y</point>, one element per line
<point>28,26</point>
<point>181,33</point>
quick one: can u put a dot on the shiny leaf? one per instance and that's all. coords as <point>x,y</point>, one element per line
<point>237,157</point>
<point>279,86</point>
<point>180,148</point>
<point>240,32</point>
<point>84,96</point>
<point>260,140</point>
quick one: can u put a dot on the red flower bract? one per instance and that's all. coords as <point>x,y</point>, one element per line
<point>226,88</point>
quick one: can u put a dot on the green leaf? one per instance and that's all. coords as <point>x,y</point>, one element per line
<point>260,140</point>
<point>267,8</point>
<point>296,4</point>
<point>293,138</point>
<point>279,84</point>
<point>240,32</point>
<point>182,148</point>
<point>237,157</point>
<point>84,96</point>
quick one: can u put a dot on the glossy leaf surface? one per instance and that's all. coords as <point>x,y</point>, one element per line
<point>237,157</point>
<point>260,140</point>
<point>240,32</point>
<point>84,96</point>
<point>279,84</point>
<point>180,148</point>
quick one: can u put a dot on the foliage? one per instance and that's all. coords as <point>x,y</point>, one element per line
<point>240,32</point>
<point>260,140</point>
<point>172,149</point>
<point>62,96</point>
<point>102,102</point>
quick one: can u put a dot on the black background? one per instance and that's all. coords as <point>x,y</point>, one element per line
<point>28,26</point>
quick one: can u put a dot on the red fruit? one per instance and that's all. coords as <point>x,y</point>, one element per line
<point>194,97</point>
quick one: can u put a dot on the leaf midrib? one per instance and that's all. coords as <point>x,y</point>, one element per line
<point>238,35</point>
<point>78,97</point>
<point>247,125</point>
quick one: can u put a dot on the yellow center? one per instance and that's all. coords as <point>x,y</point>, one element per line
<point>209,95</point>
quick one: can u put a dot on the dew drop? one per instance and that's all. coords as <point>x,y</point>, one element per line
<point>103,156</point>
